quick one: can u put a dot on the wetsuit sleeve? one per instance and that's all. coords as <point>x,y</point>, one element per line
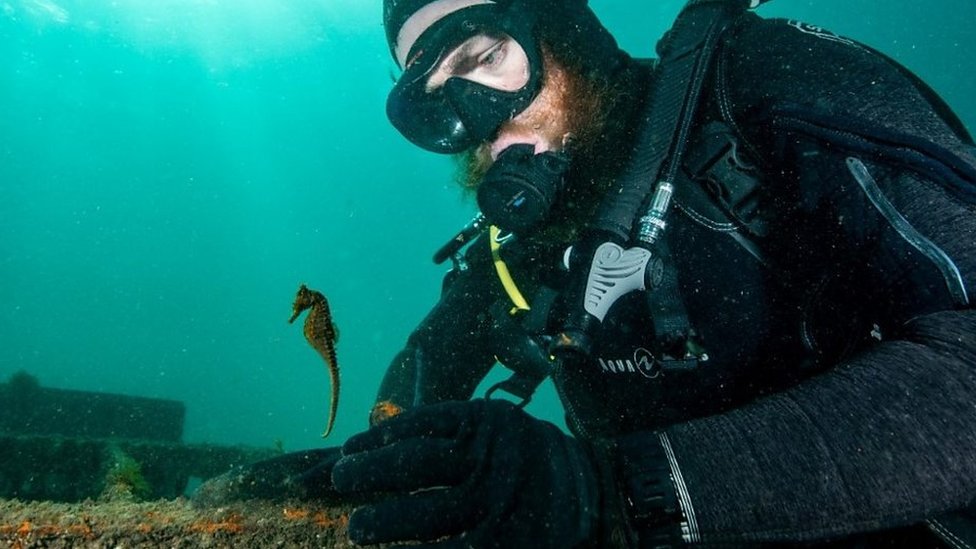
<point>448,354</point>
<point>885,435</point>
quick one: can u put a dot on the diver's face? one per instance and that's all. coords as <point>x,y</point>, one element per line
<point>569,111</point>
<point>545,123</point>
<point>499,62</point>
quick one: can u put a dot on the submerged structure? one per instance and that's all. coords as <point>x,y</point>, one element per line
<point>69,446</point>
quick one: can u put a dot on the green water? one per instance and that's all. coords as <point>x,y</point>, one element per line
<point>170,171</point>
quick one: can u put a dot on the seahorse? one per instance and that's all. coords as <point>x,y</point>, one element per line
<point>322,334</point>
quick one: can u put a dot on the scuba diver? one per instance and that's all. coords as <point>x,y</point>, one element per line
<point>746,266</point>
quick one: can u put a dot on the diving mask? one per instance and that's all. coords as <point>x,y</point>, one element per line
<point>450,96</point>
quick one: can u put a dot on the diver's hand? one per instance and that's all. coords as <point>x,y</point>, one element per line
<point>481,473</point>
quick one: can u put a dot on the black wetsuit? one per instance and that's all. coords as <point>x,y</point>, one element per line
<point>839,394</point>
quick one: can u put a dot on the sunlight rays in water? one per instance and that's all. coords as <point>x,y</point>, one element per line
<point>224,34</point>
<point>41,11</point>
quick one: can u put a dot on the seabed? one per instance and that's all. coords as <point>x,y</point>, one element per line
<point>170,523</point>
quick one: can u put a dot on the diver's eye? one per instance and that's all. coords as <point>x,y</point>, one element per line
<point>494,56</point>
<point>478,54</point>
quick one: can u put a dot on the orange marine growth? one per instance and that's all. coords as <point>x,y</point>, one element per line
<point>383,411</point>
<point>321,334</point>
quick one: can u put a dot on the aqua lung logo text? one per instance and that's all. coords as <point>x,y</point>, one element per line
<point>642,363</point>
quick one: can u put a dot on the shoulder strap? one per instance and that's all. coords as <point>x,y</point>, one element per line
<point>685,54</point>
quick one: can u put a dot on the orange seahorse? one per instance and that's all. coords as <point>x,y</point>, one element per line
<point>321,334</point>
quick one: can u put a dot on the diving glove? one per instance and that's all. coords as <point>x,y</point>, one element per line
<point>483,473</point>
<point>480,473</point>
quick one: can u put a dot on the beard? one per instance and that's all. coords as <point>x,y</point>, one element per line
<point>574,117</point>
<point>593,119</point>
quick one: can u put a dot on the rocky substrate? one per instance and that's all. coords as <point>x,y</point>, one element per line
<point>172,524</point>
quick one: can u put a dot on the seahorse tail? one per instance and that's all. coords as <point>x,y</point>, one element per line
<point>334,404</point>
<point>330,358</point>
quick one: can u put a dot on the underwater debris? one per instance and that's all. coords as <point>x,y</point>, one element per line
<point>321,333</point>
